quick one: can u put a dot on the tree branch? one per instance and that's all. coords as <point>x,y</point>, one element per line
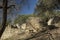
<point>11,6</point>
<point>1,7</point>
<point>8,7</point>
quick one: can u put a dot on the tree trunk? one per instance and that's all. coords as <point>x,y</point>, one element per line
<point>4,17</point>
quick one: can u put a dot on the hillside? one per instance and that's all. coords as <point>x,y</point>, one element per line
<point>33,29</point>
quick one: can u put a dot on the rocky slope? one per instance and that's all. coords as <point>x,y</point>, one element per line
<point>31,30</point>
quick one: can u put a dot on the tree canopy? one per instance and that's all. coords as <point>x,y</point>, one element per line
<point>46,7</point>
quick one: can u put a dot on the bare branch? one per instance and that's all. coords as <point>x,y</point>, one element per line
<point>11,6</point>
<point>1,7</point>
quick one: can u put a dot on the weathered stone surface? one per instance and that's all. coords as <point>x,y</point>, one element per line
<point>34,22</point>
<point>9,32</point>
